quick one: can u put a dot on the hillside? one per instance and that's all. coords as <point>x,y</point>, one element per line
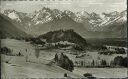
<point>118,30</point>
<point>64,35</point>
<point>9,29</point>
<point>32,70</point>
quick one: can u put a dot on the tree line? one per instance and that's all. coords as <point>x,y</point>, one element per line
<point>118,61</point>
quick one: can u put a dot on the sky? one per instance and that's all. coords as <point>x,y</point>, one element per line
<point>97,6</point>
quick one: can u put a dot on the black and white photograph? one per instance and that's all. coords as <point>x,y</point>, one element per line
<point>63,39</point>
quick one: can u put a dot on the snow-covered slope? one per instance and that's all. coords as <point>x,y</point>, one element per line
<point>42,16</point>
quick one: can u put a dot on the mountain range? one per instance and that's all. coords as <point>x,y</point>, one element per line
<point>88,25</point>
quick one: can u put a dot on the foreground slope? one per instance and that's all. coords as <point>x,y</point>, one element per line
<point>31,69</point>
<point>22,69</point>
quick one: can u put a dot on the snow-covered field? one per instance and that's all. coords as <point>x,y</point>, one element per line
<point>17,67</point>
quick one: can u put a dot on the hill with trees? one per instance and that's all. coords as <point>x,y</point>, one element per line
<point>70,36</point>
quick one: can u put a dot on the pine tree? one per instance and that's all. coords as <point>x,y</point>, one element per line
<point>103,63</point>
<point>93,63</point>
<point>56,57</point>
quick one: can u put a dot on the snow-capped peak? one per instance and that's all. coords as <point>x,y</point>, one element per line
<point>42,16</point>
<point>83,13</point>
<point>14,16</point>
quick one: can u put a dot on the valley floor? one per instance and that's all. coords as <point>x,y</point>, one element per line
<point>17,67</point>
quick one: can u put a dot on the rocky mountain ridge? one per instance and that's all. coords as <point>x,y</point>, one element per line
<point>47,19</point>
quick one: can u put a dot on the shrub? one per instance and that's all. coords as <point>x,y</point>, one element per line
<point>120,51</point>
<point>118,61</point>
<point>5,50</point>
<point>125,62</point>
<point>103,63</point>
<point>65,74</point>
